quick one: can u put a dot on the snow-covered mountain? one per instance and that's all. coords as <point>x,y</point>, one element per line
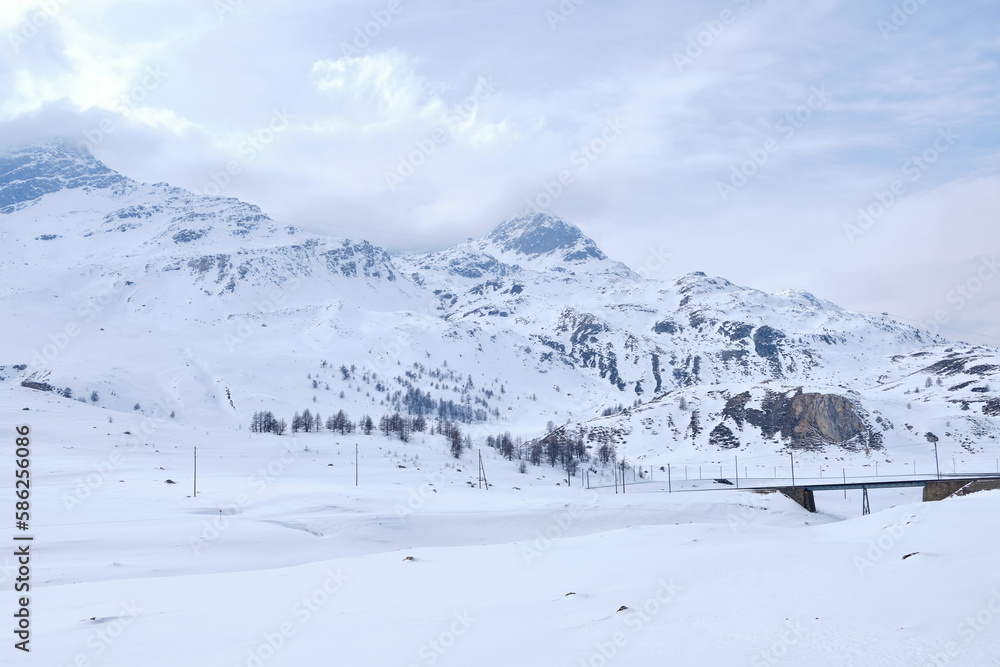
<point>155,297</point>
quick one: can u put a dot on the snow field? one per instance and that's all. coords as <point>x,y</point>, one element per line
<point>281,560</point>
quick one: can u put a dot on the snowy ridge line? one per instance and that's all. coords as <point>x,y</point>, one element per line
<point>531,323</point>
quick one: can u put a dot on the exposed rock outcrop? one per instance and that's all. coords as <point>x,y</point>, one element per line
<point>722,437</point>
<point>805,419</point>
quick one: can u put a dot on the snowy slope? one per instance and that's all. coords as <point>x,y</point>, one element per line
<point>173,317</point>
<point>203,306</point>
<point>281,560</point>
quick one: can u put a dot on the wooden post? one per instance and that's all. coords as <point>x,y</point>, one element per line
<point>669,486</point>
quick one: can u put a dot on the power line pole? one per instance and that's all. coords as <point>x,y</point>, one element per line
<point>669,486</point>
<point>482,472</point>
<point>196,472</point>
<point>792,455</point>
<point>355,464</point>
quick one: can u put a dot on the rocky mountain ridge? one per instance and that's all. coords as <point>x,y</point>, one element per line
<point>532,322</point>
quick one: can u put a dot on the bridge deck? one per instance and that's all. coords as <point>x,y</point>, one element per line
<point>890,484</point>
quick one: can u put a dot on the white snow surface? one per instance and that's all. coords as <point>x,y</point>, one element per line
<point>282,560</point>
<point>187,314</point>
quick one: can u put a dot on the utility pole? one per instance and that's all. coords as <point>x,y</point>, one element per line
<point>355,464</point>
<point>792,455</point>
<point>845,483</point>
<point>195,472</point>
<point>669,486</point>
<point>482,472</point>
<point>937,465</point>
<point>737,472</point>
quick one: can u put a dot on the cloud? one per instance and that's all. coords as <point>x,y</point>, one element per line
<point>378,88</point>
<point>553,88</point>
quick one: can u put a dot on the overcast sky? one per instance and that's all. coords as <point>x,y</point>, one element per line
<point>742,138</point>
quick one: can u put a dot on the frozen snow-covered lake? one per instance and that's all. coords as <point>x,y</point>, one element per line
<point>282,560</point>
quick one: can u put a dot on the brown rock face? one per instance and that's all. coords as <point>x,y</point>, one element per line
<point>822,418</point>
<point>807,420</point>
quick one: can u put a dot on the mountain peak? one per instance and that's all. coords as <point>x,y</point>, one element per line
<point>28,173</point>
<point>539,234</point>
